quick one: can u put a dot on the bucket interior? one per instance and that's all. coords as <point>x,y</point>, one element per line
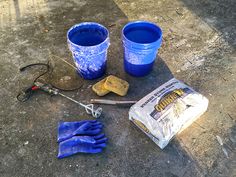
<point>88,34</point>
<point>142,32</point>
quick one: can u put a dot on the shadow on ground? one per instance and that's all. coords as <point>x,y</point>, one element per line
<point>220,15</point>
<point>216,76</point>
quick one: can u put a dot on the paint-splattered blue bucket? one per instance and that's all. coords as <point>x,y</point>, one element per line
<point>88,43</point>
<point>141,41</point>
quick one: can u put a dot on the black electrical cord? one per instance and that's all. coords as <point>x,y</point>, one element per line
<point>37,64</point>
<point>25,94</point>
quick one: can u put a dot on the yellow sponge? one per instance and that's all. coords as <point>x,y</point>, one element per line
<point>116,85</point>
<point>99,88</point>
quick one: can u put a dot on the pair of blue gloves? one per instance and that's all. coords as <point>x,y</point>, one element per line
<point>80,137</point>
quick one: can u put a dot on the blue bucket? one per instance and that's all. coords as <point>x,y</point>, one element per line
<point>88,43</point>
<point>141,41</point>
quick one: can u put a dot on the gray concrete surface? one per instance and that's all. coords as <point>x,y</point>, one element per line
<point>198,47</point>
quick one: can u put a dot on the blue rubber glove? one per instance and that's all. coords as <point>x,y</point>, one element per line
<point>82,144</point>
<point>67,130</point>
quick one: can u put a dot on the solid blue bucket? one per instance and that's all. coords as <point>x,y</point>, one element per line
<point>141,41</point>
<point>88,43</point>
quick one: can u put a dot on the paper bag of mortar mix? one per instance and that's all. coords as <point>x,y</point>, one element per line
<point>167,111</point>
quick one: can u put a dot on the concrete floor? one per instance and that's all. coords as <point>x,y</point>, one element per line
<point>199,47</point>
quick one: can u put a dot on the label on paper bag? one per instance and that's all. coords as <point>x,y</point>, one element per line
<point>167,111</point>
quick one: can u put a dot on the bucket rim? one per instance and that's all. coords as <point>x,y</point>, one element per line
<point>87,23</point>
<point>141,21</point>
